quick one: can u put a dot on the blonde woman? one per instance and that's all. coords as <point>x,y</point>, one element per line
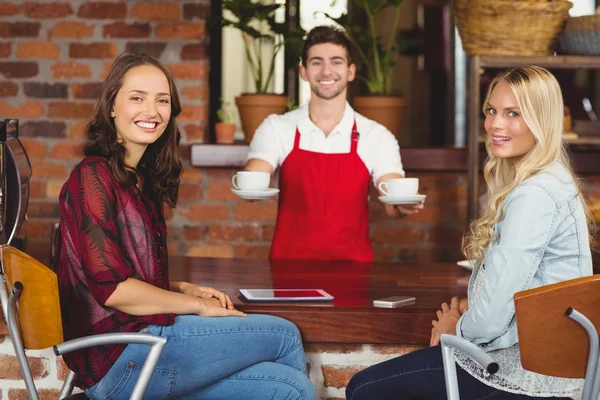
<point>533,232</point>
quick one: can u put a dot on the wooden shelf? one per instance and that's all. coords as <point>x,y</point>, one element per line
<point>562,62</point>
<point>580,141</point>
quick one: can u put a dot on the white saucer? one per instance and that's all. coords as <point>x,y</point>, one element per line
<point>466,264</point>
<point>406,199</point>
<point>255,194</point>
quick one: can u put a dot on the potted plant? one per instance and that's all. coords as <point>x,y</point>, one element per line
<point>263,39</point>
<point>225,128</point>
<point>375,62</point>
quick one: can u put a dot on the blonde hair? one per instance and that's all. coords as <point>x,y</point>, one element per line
<point>540,100</point>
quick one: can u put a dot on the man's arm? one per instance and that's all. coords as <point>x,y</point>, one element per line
<point>258,164</point>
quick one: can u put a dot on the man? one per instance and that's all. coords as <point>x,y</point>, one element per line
<point>327,154</point>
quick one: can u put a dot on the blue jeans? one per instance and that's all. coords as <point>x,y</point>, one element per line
<point>418,375</point>
<point>259,357</point>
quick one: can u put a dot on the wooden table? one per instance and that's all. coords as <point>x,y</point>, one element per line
<point>351,317</point>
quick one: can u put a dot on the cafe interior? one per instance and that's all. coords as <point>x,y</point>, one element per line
<point>55,56</point>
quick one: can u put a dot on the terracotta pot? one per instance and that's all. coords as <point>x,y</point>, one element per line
<point>225,132</point>
<point>254,108</point>
<point>387,110</point>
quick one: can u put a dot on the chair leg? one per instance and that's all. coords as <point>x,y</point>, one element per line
<point>67,387</point>
<point>591,385</point>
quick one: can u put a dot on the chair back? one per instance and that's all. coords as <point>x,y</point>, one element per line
<point>550,342</point>
<point>39,304</point>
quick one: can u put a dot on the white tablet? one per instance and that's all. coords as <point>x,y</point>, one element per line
<point>286,295</point>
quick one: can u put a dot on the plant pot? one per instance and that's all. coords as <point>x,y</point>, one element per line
<point>255,108</point>
<point>386,110</point>
<point>225,132</point>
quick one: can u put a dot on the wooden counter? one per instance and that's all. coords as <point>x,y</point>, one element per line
<point>351,317</point>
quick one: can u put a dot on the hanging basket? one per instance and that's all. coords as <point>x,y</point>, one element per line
<point>510,27</point>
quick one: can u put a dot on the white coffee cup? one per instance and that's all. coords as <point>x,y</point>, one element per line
<point>251,180</point>
<point>399,187</point>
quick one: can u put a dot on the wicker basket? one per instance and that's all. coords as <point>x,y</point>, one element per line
<point>510,27</point>
<point>581,36</point>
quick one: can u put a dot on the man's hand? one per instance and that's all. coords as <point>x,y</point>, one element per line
<point>396,211</point>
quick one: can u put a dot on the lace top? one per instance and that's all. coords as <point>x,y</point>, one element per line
<point>512,377</point>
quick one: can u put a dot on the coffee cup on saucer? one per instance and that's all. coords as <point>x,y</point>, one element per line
<point>251,180</point>
<point>399,187</point>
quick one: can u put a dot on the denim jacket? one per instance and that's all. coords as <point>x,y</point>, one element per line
<point>542,239</point>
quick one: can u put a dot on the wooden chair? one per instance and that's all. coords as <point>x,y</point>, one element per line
<point>31,306</point>
<point>558,334</point>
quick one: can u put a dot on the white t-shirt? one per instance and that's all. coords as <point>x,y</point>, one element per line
<point>377,147</point>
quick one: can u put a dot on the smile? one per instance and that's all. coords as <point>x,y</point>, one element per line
<point>147,126</point>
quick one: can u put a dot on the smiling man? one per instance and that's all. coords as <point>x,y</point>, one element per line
<point>327,155</point>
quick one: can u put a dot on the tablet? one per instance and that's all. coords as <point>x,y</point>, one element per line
<point>286,295</point>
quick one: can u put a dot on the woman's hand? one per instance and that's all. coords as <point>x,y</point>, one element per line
<point>448,317</point>
<point>463,306</point>
<point>205,292</point>
<point>211,307</point>
<point>396,211</point>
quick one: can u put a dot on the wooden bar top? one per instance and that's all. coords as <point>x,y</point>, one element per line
<point>351,317</point>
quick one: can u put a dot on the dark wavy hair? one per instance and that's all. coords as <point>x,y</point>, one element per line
<point>326,34</point>
<point>160,166</point>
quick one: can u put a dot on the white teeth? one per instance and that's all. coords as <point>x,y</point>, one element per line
<point>327,82</point>
<point>146,125</point>
<point>497,139</point>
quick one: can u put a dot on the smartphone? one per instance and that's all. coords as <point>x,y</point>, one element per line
<point>394,301</point>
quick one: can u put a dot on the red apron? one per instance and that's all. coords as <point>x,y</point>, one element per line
<point>323,209</point>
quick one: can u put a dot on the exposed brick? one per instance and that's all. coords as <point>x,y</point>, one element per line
<point>38,50</point>
<point>123,30</point>
<point>62,369</point>
<point>190,112</point>
<point>34,148</point>
<point>220,191</point>
<point>188,71</point>
<point>5,49</point>
<point>19,29</point>
<point>399,234</point>
<point>332,348</point>
<point>191,175</point>
<point>106,69</point>
<point>229,233</point>
<point>154,49</point>
<point>384,253</point>
<point>71,30</point>
<point>210,251</point>
<point>90,90</point>
<point>18,69</point>
<point>9,366</point>
<point>69,70</point>
<point>267,233</point>
<point>39,246</point>
<point>425,254</point>
<point>37,189</point>
<point>437,213</point>
<point>195,92</point>
<point>67,149</point>
<point>43,210</point>
<point>47,10</point>
<point>44,394</point>
<point>195,51</point>
<point>53,189</point>
<point>194,232</point>
<point>189,192</point>
<point>77,131</point>
<point>103,10</point>
<point>52,129</point>
<point>338,377</point>
<point>92,50</point>
<point>196,11</point>
<point>8,9</point>
<point>394,349</point>
<point>67,109</point>
<point>259,211</point>
<point>252,251</point>
<point>156,11</point>
<point>194,132</point>
<point>30,109</point>
<point>8,89</point>
<point>220,174</point>
<point>46,169</point>
<point>206,213</point>
<point>45,90</point>
<point>190,31</point>
<point>449,236</point>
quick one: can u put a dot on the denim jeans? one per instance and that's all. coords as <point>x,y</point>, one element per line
<point>259,357</point>
<point>418,375</point>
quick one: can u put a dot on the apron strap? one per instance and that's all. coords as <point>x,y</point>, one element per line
<point>297,139</point>
<point>355,137</point>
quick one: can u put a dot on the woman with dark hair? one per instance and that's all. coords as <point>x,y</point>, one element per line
<point>112,264</point>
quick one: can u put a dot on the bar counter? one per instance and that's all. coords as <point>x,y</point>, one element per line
<point>351,317</point>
